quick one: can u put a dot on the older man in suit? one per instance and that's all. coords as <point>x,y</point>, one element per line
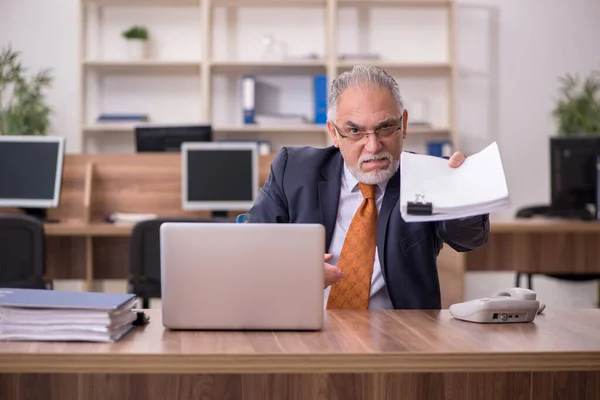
<point>375,259</point>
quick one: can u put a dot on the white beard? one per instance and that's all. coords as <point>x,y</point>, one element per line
<point>378,176</point>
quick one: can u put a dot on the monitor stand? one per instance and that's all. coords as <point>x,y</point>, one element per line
<point>39,213</point>
<point>220,215</point>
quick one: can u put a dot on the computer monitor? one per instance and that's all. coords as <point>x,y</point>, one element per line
<point>219,176</point>
<point>31,172</point>
<point>168,138</point>
<point>574,175</point>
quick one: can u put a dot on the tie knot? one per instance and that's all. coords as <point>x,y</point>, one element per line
<point>368,191</point>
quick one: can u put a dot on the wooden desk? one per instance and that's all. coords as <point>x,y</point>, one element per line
<point>358,355</point>
<point>542,246</point>
<point>548,246</point>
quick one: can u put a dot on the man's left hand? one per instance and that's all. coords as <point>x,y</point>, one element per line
<point>457,159</point>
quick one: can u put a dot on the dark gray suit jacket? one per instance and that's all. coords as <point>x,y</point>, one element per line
<point>304,187</point>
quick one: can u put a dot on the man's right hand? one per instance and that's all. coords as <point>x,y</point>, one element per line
<point>332,273</point>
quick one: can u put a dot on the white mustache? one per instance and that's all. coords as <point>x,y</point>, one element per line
<point>378,156</point>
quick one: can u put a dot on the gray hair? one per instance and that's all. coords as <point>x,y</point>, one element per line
<point>362,75</point>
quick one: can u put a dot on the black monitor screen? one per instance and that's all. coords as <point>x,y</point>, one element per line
<point>220,175</point>
<point>573,171</point>
<point>28,172</point>
<point>169,138</point>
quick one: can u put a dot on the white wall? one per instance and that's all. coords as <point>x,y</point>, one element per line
<point>45,32</point>
<point>539,40</point>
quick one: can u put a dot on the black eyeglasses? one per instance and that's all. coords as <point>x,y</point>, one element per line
<point>355,134</point>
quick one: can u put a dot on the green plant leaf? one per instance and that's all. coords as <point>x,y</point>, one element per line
<point>23,109</point>
<point>577,110</point>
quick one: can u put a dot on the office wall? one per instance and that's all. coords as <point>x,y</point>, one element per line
<point>45,32</point>
<point>538,40</point>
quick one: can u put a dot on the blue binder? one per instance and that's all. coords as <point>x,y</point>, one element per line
<point>58,299</point>
<point>320,93</point>
<point>248,98</point>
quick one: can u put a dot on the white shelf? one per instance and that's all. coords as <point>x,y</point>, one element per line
<point>269,67</point>
<point>149,3</point>
<point>144,65</point>
<point>269,3</point>
<point>399,67</point>
<point>395,3</point>
<point>426,130</point>
<point>270,128</point>
<point>124,128</point>
<point>110,127</point>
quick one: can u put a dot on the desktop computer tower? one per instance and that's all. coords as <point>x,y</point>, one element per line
<point>598,187</point>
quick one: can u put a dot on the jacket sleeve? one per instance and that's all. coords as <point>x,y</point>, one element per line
<point>466,233</point>
<point>271,203</point>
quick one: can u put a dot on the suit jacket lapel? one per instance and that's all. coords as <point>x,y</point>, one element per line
<point>390,197</point>
<point>329,194</point>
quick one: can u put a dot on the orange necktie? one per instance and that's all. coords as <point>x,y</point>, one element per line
<point>357,257</point>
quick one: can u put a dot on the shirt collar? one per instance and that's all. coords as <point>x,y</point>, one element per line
<point>350,182</point>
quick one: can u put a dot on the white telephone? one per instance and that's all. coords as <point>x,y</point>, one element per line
<point>508,306</point>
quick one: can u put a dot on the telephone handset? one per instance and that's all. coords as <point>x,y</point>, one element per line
<point>507,306</point>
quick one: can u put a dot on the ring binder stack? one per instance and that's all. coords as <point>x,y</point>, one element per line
<point>419,206</point>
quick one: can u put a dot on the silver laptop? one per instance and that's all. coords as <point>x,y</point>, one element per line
<point>228,276</point>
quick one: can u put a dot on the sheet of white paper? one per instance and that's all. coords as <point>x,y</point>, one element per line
<point>477,187</point>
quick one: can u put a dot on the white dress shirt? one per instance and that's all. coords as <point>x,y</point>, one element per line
<point>350,200</point>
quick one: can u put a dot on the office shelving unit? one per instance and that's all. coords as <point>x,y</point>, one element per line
<point>199,69</point>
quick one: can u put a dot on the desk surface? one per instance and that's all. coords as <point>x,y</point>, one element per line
<point>542,225</point>
<point>375,341</point>
<point>80,228</point>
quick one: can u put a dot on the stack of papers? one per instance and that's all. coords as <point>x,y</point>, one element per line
<point>128,218</point>
<point>52,315</point>
<point>430,190</point>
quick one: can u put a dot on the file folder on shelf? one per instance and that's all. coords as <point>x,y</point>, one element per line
<point>248,99</point>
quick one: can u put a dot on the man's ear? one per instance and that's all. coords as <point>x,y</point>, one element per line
<point>404,123</point>
<point>334,137</point>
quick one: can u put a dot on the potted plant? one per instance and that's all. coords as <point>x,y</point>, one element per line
<point>577,111</point>
<point>23,109</point>
<point>137,42</point>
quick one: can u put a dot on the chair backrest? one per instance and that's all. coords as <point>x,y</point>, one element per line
<point>144,265</point>
<point>22,252</point>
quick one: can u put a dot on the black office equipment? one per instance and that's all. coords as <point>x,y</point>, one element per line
<point>219,177</point>
<point>574,176</point>
<point>168,138</point>
<point>419,206</point>
<point>575,189</point>
<point>31,172</point>
<point>22,252</point>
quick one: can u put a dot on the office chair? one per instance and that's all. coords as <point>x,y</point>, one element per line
<point>532,211</point>
<point>22,252</point>
<point>144,266</point>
